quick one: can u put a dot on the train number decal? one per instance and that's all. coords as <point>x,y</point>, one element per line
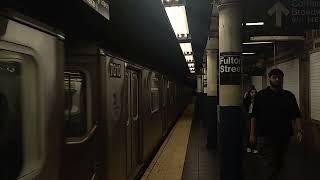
<point>115,70</point>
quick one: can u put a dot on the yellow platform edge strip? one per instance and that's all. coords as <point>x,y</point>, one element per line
<point>169,161</point>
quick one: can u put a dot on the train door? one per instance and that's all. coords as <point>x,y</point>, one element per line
<point>133,123</point>
<point>164,106</point>
<point>79,154</point>
<point>31,91</point>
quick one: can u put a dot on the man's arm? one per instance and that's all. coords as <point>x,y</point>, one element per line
<point>297,120</point>
<point>297,123</point>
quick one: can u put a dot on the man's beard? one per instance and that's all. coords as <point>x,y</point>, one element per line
<point>275,85</point>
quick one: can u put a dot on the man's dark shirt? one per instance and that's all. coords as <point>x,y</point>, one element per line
<point>274,113</point>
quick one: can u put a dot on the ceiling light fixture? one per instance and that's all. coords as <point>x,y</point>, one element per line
<point>254,43</point>
<point>191,65</point>
<point>248,53</point>
<point>178,19</point>
<point>189,58</point>
<point>277,38</point>
<point>186,48</point>
<point>255,24</point>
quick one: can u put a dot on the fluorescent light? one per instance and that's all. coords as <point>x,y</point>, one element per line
<point>192,72</point>
<point>178,19</point>
<point>186,48</point>
<point>250,53</point>
<point>253,43</point>
<point>189,58</point>
<point>191,65</point>
<point>277,38</point>
<point>255,24</point>
<point>61,36</point>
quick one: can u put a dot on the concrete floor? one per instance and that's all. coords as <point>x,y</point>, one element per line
<point>169,161</point>
<point>184,156</point>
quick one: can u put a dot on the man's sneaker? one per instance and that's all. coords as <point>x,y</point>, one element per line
<point>255,151</point>
<point>249,150</point>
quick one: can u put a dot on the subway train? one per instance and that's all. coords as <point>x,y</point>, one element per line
<point>78,112</point>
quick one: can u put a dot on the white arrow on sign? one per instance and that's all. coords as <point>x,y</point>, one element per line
<point>278,9</point>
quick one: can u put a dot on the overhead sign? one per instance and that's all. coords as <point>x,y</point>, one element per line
<point>304,13</point>
<point>101,6</point>
<point>230,68</point>
<point>278,9</point>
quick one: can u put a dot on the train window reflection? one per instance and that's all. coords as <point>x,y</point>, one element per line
<point>20,136</point>
<point>75,104</point>
<point>154,94</point>
<point>11,118</point>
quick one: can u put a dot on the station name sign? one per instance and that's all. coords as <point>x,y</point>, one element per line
<point>230,68</point>
<point>101,6</point>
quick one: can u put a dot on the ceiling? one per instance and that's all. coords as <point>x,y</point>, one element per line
<point>141,31</point>
<point>138,30</point>
<point>198,12</point>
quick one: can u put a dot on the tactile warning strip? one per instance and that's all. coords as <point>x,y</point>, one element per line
<point>169,161</point>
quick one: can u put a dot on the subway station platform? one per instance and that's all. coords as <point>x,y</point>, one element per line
<point>184,155</point>
<point>169,161</point>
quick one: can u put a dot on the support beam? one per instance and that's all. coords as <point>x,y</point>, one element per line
<point>212,51</point>
<point>199,84</point>
<point>231,121</point>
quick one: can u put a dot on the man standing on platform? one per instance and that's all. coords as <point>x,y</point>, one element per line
<point>275,112</point>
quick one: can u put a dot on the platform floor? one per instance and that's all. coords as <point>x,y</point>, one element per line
<point>200,163</point>
<point>184,156</point>
<point>169,161</point>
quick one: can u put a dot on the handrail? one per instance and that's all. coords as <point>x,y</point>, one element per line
<point>86,137</point>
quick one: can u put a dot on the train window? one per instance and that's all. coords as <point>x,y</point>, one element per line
<point>135,96</point>
<point>20,140</point>
<point>75,104</point>
<point>154,94</point>
<point>11,115</point>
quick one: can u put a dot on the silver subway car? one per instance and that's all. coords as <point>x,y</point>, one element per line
<point>78,111</point>
<point>31,91</point>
